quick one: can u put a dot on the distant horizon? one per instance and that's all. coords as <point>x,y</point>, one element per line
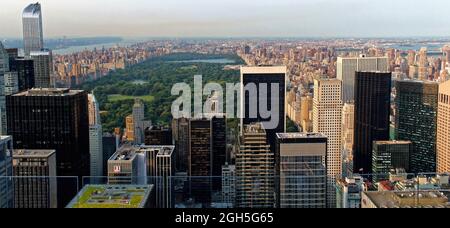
<point>234,18</point>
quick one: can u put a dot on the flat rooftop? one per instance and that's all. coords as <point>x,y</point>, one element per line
<point>254,128</point>
<point>393,142</point>
<point>33,153</point>
<point>48,92</point>
<point>424,199</point>
<point>125,153</point>
<point>299,135</point>
<point>112,196</point>
<point>163,151</point>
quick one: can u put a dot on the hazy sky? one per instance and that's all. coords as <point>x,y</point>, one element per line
<point>187,18</point>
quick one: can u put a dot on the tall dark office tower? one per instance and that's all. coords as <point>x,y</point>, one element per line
<point>181,132</point>
<point>263,78</point>
<point>109,148</point>
<point>54,119</point>
<point>25,71</point>
<point>158,136</point>
<point>35,185</point>
<point>416,120</point>
<point>200,159</point>
<point>219,148</point>
<point>43,68</point>
<point>372,113</point>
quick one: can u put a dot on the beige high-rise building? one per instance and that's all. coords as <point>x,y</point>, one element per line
<point>443,129</point>
<point>347,67</point>
<point>348,126</point>
<point>306,104</point>
<point>327,119</point>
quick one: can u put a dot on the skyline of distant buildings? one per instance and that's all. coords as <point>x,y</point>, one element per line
<point>363,117</point>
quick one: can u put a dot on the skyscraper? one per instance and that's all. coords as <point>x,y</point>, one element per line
<point>11,83</point>
<point>347,67</point>
<point>443,129</point>
<point>42,63</point>
<point>372,113</point>
<point>6,182</point>
<point>255,169</point>
<point>25,72</point>
<point>95,137</point>
<point>33,36</point>
<point>4,68</point>
<point>416,106</point>
<point>219,148</point>
<point>200,160</point>
<point>165,168</point>
<point>348,192</point>
<point>53,119</point>
<point>181,135</point>
<point>138,120</point>
<point>348,129</point>
<point>158,136</point>
<point>300,170</point>
<point>389,155</point>
<point>229,185</point>
<point>35,185</point>
<point>257,96</point>
<point>327,109</point>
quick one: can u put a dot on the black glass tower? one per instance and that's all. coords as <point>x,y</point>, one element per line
<point>263,77</point>
<point>158,136</point>
<point>416,120</point>
<point>372,114</point>
<point>54,119</point>
<point>25,72</point>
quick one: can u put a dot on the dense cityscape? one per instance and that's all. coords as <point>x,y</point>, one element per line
<point>360,123</point>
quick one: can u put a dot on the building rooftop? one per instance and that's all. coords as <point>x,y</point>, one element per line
<point>164,151</point>
<point>32,10</point>
<point>48,92</point>
<point>264,70</point>
<point>125,153</point>
<point>112,196</point>
<point>33,153</point>
<point>424,199</point>
<point>393,142</point>
<point>254,128</point>
<point>299,135</point>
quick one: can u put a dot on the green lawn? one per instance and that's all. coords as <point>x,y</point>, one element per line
<point>118,97</point>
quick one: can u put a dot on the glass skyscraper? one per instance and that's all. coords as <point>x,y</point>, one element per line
<point>33,37</point>
<point>416,120</point>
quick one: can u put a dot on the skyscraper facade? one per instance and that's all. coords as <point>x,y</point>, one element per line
<point>181,135</point>
<point>200,159</point>
<point>347,67</point>
<point>6,183</point>
<point>165,168</point>
<point>4,68</point>
<point>327,119</point>
<point>390,155</point>
<point>138,120</point>
<point>255,169</point>
<point>257,96</point>
<point>372,116</point>
<point>443,129</point>
<point>33,36</point>
<point>54,119</point>
<point>301,174</point>
<point>348,129</point>
<point>42,63</point>
<point>36,182</point>
<point>158,136</point>
<point>25,72</point>
<point>95,137</point>
<point>416,113</point>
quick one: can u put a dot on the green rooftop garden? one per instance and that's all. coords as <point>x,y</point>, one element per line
<point>104,197</point>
